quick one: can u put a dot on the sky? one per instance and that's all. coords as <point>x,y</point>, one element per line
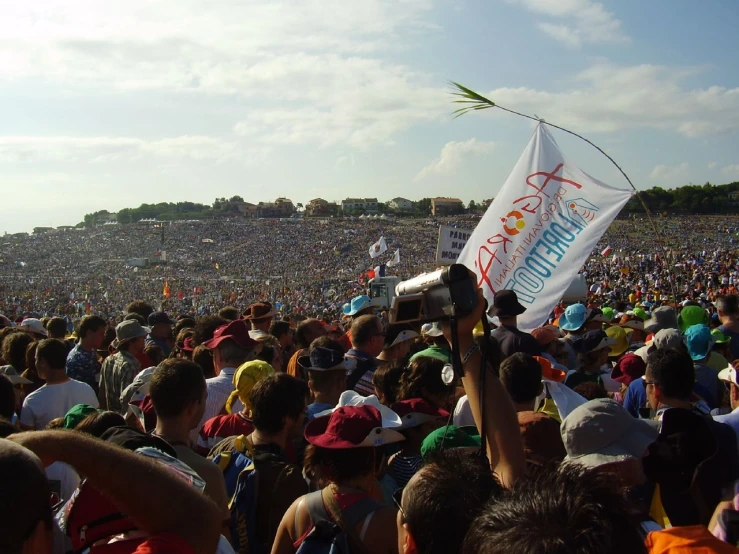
<point>107,105</point>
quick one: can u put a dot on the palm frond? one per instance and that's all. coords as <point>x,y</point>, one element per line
<point>467,96</point>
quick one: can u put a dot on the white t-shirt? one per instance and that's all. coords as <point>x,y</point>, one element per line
<point>52,401</point>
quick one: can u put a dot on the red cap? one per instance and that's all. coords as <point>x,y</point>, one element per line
<point>350,427</point>
<point>544,335</point>
<point>629,368</point>
<point>236,331</point>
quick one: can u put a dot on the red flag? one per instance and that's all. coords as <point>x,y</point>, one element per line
<point>607,251</point>
<point>180,295</point>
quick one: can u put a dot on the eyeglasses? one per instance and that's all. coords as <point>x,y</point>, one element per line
<point>647,383</point>
<point>397,498</point>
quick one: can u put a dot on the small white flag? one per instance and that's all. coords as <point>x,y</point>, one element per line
<point>396,259</point>
<point>379,248</point>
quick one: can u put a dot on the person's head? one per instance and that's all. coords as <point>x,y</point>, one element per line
<point>728,307</point>
<point>205,327</point>
<point>130,336</point>
<point>7,398</point>
<point>14,350</point>
<point>160,325</point>
<point>141,308</point>
<point>547,339</point>
<point>422,379</point>
<point>670,377</point>
<point>278,405</point>
<point>398,340</point>
<point>51,358</point>
<point>91,331</point>
<point>57,328</point>
<point>232,346</point>
<point>520,374</point>
<point>307,331</point>
<point>570,509</point>
<point>244,380</point>
<point>440,502</point>
<point>282,332</point>
<point>386,381</point>
<point>182,324</point>
<point>135,317</point>
<point>593,349</point>
<point>368,335</point>
<point>271,351</point>
<point>178,391</point>
<point>203,356</point>
<point>229,312</point>
<point>25,515</point>
<point>260,315</point>
<point>98,422</point>
<point>326,368</point>
<point>155,354</point>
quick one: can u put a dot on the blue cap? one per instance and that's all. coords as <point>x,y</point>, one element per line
<point>574,317</point>
<point>699,341</point>
<point>358,303</point>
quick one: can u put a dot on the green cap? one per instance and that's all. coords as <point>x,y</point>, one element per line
<point>641,314</point>
<point>691,315</point>
<point>76,414</point>
<point>608,313</point>
<point>719,337</point>
<point>450,436</point>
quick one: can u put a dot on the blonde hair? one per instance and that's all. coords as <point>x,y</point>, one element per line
<point>246,377</point>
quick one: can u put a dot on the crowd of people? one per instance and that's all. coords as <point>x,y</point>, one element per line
<point>254,418</point>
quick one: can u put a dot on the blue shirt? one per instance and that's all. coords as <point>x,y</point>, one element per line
<point>730,419</point>
<point>636,395</point>
<point>83,366</point>
<point>317,408</point>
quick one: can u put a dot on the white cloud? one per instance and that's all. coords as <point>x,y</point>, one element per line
<point>607,97</point>
<point>576,22</point>
<point>670,175</point>
<point>109,149</point>
<point>453,155</point>
<point>731,171</point>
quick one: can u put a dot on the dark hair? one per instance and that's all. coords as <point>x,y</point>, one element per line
<point>57,328</point>
<point>445,497</point>
<point>330,465</point>
<point>7,398</point>
<point>557,511</point>
<point>109,337</point>
<point>275,398</point>
<point>728,304</point>
<point>279,328</point>
<point>364,328</point>
<point>205,327</point>
<point>590,391</point>
<point>422,379</point>
<point>31,358</point>
<point>141,308</point>
<point>386,380</point>
<point>6,428</point>
<point>229,312</point>
<point>155,354</point>
<point>203,357</point>
<point>14,350</point>
<point>54,351</point>
<point>520,374</point>
<point>133,316</point>
<point>270,346</point>
<point>672,371</point>
<point>97,423</point>
<point>183,323</point>
<point>174,385</point>
<point>90,323</point>
<point>303,334</point>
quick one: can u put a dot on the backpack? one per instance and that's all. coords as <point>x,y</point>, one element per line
<point>89,516</point>
<point>327,536</point>
<point>242,480</point>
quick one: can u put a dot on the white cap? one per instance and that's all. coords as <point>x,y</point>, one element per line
<point>33,325</point>
<point>431,329</point>
<point>729,375</point>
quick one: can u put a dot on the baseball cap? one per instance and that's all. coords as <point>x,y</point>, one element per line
<point>729,375</point>
<point>602,432</point>
<point>544,335</point>
<point>33,325</point>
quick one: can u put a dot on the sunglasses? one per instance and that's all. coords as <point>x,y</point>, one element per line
<point>397,498</point>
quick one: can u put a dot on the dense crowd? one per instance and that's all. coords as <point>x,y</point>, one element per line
<point>258,412</point>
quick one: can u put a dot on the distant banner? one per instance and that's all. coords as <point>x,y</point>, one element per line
<point>540,229</point>
<point>451,243</point>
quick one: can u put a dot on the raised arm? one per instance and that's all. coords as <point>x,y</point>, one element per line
<point>157,500</point>
<point>504,446</point>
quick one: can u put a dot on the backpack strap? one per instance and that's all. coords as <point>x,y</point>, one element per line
<point>360,510</point>
<point>316,508</point>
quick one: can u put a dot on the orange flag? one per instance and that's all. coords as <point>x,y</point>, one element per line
<point>165,292</point>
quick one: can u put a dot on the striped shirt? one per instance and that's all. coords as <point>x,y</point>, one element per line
<point>402,468</point>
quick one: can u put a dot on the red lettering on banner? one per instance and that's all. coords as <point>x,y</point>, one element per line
<point>484,266</point>
<point>551,176</point>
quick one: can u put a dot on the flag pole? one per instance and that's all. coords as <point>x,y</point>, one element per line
<point>476,101</point>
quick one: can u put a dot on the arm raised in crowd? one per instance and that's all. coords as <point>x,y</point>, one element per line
<point>155,498</point>
<point>504,446</point>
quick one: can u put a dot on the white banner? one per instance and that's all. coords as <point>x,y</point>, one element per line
<point>450,244</point>
<point>540,229</point>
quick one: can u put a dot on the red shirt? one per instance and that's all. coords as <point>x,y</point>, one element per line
<point>221,427</point>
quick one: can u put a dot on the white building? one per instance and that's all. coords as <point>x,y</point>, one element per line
<point>401,205</point>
